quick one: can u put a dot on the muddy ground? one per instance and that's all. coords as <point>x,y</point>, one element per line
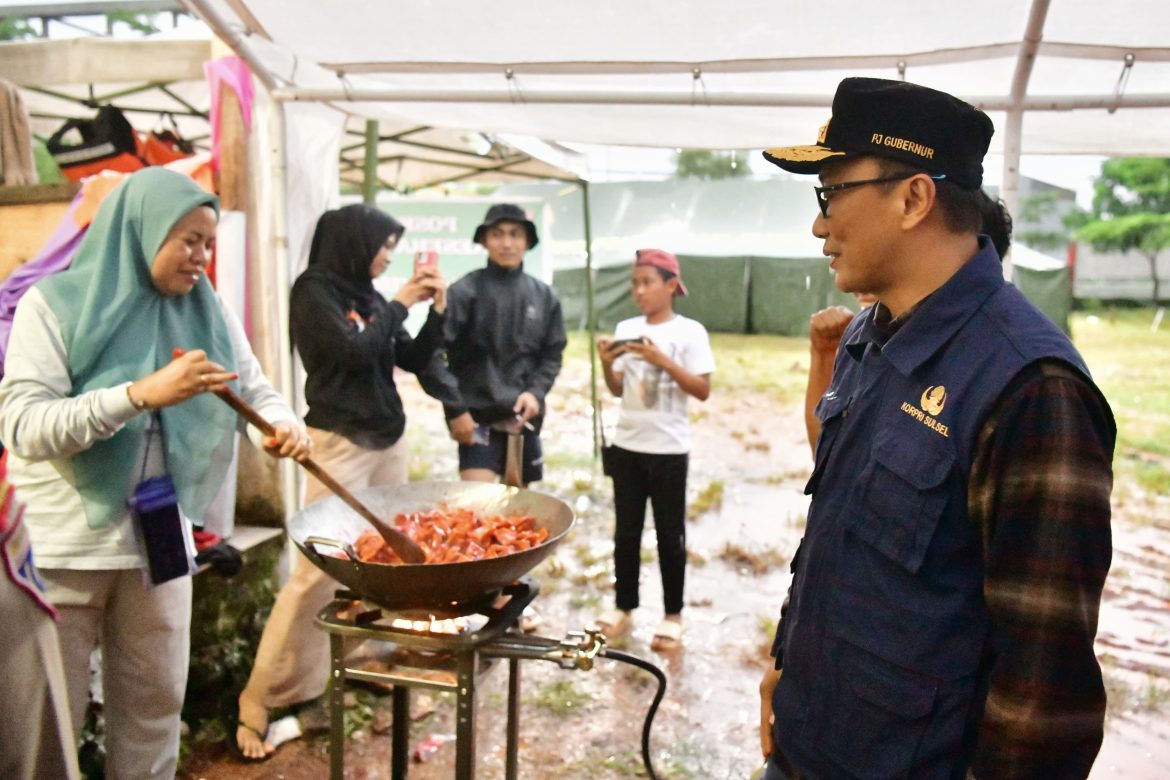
<point>749,464</point>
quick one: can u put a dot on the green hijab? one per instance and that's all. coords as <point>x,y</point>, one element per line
<point>117,328</point>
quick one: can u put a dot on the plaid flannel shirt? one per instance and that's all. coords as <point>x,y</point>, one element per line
<point>1039,491</point>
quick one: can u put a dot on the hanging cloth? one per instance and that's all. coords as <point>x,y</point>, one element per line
<point>17,165</point>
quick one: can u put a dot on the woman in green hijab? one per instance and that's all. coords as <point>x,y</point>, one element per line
<point>106,387</point>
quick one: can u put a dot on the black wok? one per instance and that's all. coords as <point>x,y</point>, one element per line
<point>326,531</point>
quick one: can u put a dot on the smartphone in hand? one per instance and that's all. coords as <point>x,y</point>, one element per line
<point>426,259</point>
<point>624,342</point>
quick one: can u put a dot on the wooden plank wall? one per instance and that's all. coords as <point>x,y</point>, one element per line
<point>28,217</point>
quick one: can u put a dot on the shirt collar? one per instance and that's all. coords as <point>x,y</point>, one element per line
<point>496,269</point>
<point>911,339</point>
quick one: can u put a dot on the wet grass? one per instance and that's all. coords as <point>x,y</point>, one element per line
<point>755,562</point>
<point>1153,477</point>
<point>1131,364</point>
<point>776,365</point>
<point>627,763</point>
<point>709,499</point>
<point>420,469</point>
<point>561,698</point>
<point>1127,692</point>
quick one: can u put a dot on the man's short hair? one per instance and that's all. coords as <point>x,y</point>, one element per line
<point>961,208</point>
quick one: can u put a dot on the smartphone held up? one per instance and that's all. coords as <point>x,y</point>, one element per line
<point>424,259</point>
<point>618,343</point>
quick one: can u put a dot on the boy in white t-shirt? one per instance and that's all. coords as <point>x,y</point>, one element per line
<point>654,363</point>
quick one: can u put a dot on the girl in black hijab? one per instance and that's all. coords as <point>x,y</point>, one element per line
<point>350,340</point>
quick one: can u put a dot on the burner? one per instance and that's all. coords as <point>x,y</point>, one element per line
<point>468,625</point>
<point>477,605</point>
<point>447,651</point>
<point>420,649</point>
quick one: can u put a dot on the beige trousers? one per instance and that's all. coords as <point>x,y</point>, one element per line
<point>292,661</point>
<point>36,737</point>
<point>145,636</point>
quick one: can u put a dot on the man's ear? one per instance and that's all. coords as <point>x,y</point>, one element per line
<point>920,195</point>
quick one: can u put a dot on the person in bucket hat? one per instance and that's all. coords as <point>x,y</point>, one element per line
<point>504,335</point>
<point>506,212</point>
<point>941,605</point>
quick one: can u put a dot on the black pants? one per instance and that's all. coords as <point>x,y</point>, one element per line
<point>638,476</point>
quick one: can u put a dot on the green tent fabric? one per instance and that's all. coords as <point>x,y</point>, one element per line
<point>718,294</point>
<point>1050,290</point>
<point>611,296</point>
<point>785,292</point>
<point>727,294</point>
<point>718,288</point>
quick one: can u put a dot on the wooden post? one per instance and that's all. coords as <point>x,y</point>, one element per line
<point>233,153</point>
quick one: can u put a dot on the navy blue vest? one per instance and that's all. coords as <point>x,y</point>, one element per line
<point>883,642</point>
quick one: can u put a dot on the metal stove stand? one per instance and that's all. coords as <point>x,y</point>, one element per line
<point>442,661</point>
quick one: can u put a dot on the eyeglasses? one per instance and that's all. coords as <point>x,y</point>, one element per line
<point>823,192</point>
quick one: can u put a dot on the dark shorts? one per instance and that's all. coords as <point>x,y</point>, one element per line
<point>494,454</point>
<point>774,772</point>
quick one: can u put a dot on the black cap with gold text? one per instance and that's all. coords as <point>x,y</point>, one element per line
<point>919,126</point>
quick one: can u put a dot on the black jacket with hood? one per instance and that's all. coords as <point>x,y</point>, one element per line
<point>350,338</point>
<point>504,334</point>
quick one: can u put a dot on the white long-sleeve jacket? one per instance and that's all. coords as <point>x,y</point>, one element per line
<point>41,425</point>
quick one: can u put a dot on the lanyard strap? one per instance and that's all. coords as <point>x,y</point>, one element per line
<point>155,420</point>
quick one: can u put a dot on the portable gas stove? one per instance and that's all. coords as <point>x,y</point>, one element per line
<point>450,651</point>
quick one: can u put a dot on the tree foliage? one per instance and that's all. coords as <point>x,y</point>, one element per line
<point>1038,210</point>
<point>705,164</point>
<point>142,23</point>
<point>13,28</point>
<point>1131,210</point>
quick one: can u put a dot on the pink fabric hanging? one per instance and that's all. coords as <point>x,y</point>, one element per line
<point>233,73</point>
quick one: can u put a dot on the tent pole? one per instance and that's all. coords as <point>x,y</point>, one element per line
<point>591,317</point>
<point>280,253</point>
<point>1010,189</point>
<point>370,166</point>
<point>238,43</point>
<point>1109,101</point>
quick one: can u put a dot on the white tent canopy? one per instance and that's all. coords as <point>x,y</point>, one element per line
<point>1052,74</point>
<point>732,74</point>
<point>156,77</point>
<point>1057,76</point>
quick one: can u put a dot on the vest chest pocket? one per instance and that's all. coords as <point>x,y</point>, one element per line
<point>905,495</point>
<point>829,411</point>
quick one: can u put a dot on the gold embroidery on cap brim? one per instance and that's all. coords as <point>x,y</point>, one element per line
<point>803,153</point>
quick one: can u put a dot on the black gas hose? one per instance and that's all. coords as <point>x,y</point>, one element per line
<point>618,655</point>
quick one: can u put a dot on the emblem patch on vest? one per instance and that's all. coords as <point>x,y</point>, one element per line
<point>933,399</point>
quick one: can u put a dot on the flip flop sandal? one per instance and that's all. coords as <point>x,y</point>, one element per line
<point>233,742</point>
<point>614,623</point>
<point>668,636</point>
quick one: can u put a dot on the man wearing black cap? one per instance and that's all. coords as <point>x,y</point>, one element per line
<point>944,599</point>
<point>504,335</point>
